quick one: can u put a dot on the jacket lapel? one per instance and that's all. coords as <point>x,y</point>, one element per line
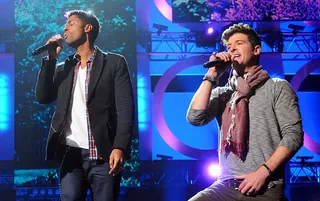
<point>96,71</point>
<point>69,66</point>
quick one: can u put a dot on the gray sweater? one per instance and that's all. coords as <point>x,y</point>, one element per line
<point>274,120</point>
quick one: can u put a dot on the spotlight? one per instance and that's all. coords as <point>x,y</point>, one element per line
<point>210,30</point>
<point>208,38</point>
<point>159,28</point>
<point>50,191</point>
<point>35,191</point>
<point>304,158</point>
<point>295,28</point>
<point>214,170</point>
<point>57,191</point>
<point>42,191</point>
<point>66,14</point>
<point>163,157</point>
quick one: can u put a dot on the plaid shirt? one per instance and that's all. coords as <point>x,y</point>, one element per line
<point>92,146</point>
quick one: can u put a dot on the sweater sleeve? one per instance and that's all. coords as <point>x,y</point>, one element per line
<point>288,115</point>
<point>215,108</point>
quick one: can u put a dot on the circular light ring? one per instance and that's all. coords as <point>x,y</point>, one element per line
<point>158,116</point>
<point>164,8</point>
<point>296,81</point>
<point>175,143</point>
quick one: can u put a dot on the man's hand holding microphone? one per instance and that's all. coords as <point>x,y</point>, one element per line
<point>53,46</point>
<point>56,47</point>
<point>217,64</point>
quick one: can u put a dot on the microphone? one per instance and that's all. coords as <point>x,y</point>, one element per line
<point>210,64</point>
<point>217,62</point>
<point>44,48</point>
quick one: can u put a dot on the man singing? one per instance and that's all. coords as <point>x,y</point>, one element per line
<point>92,126</point>
<point>259,120</point>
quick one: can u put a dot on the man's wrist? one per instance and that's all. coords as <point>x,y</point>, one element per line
<point>212,79</point>
<point>119,149</point>
<point>267,169</point>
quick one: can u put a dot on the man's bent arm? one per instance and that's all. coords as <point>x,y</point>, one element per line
<point>46,88</point>
<point>290,123</point>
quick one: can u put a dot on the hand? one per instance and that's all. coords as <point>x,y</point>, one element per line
<point>54,52</point>
<point>116,161</point>
<point>216,71</point>
<point>253,181</point>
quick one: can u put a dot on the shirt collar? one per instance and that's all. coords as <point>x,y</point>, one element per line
<point>76,56</point>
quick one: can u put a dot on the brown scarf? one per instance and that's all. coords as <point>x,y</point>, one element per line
<point>235,118</point>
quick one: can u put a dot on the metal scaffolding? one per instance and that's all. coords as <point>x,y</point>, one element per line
<point>6,174</point>
<point>304,171</point>
<point>6,41</point>
<point>174,46</point>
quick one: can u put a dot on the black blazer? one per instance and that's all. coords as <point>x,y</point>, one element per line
<point>110,102</point>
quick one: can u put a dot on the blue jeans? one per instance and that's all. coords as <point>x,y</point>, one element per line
<point>78,174</point>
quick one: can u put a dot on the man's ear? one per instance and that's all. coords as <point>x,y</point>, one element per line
<point>88,28</point>
<point>257,50</point>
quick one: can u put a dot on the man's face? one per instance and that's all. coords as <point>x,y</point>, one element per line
<point>74,31</point>
<point>242,52</point>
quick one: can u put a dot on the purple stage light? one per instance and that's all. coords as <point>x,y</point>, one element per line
<point>214,170</point>
<point>66,14</point>
<point>210,30</point>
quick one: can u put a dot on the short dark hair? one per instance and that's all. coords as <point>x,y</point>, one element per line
<point>88,18</point>
<point>253,36</point>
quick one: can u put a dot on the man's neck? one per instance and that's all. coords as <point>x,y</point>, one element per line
<point>250,68</point>
<point>85,51</point>
<point>241,70</point>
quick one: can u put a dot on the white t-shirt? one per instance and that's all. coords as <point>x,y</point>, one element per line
<point>77,125</point>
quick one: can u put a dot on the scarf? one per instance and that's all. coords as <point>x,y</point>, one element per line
<point>235,118</point>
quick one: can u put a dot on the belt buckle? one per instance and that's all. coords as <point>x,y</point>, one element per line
<point>271,184</point>
<point>236,183</point>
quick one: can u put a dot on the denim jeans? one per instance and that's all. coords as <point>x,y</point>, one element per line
<point>78,174</point>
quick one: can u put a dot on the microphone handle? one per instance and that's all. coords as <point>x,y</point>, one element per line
<point>44,48</point>
<point>210,64</point>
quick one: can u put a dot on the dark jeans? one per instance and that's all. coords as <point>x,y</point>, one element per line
<point>220,191</point>
<point>78,174</point>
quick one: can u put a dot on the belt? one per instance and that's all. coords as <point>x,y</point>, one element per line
<point>235,183</point>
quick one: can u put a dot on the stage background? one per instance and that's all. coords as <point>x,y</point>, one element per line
<point>166,66</point>
<point>166,53</point>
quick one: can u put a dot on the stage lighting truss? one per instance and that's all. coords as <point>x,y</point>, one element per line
<point>6,179</point>
<point>6,42</point>
<point>6,174</point>
<point>175,172</point>
<point>304,172</point>
<point>175,46</point>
